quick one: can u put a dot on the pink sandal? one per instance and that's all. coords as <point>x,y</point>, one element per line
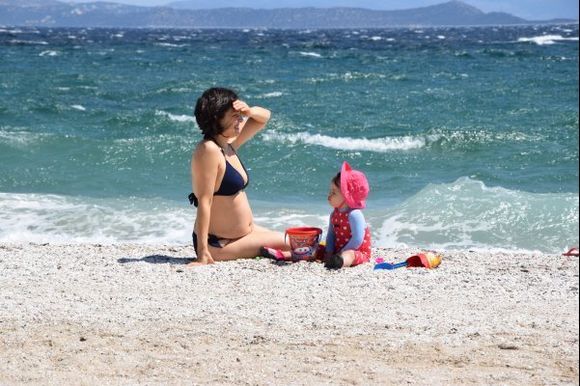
<point>271,253</point>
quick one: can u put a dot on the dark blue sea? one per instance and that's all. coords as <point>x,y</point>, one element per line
<point>468,136</point>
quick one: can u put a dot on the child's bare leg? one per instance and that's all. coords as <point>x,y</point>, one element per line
<point>348,258</point>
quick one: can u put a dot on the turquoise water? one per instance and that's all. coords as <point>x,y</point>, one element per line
<point>469,136</point>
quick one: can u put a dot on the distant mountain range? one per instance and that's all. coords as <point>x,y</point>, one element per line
<point>53,13</point>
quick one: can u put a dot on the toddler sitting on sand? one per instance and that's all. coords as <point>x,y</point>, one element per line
<point>348,240</point>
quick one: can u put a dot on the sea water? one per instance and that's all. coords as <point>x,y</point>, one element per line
<point>468,136</point>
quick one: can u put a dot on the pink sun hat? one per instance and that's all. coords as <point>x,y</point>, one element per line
<point>353,186</point>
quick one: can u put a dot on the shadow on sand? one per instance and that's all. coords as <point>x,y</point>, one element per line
<point>157,259</point>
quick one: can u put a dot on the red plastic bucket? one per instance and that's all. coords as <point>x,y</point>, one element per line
<point>303,242</point>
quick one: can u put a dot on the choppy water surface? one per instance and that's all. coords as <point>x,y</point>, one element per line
<point>469,136</point>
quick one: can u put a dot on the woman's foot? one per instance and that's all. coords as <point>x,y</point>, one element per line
<point>199,262</point>
<point>271,253</point>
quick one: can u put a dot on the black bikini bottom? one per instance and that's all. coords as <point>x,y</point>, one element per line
<point>212,240</point>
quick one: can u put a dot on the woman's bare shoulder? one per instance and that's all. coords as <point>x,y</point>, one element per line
<point>206,156</point>
<point>206,148</point>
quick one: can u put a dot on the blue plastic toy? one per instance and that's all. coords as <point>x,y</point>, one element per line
<point>390,265</point>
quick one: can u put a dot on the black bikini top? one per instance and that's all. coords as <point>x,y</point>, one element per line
<point>232,183</point>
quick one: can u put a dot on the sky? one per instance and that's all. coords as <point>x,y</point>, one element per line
<point>527,9</point>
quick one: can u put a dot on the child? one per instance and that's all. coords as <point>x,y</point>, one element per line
<point>348,240</point>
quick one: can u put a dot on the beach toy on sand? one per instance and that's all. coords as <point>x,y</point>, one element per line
<point>303,242</point>
<point>385,265</point>
<point>572,252</point>
<point>427,259</point>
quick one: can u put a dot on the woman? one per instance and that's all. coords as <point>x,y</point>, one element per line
<point>224,227</point>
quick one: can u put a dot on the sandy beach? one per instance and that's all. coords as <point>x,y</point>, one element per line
<point>134,314</point>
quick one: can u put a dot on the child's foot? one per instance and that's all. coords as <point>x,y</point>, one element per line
<point>272,253</point>
<point>334,262</point>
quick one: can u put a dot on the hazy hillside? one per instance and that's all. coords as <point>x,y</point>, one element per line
<point>59,14</point>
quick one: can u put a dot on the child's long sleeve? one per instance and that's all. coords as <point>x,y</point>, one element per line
<point>358,226</point>
<point>330,237</point>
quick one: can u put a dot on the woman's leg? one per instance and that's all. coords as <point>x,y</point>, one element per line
<point>249,245</point>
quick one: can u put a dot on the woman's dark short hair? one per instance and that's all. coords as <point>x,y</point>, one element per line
<point>211,107</point>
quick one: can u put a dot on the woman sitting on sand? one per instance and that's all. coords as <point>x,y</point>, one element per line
<point>224,227</point>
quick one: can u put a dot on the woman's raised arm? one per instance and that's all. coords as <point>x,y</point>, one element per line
<point>257,116</point>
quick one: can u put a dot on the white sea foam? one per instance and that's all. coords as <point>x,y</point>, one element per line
<point>546,39</point>
<point>274,94</point>
<point>20,138</point>
<point>29,42</point>
<point>61,219</point>
<point>49,218</point>
<point>175,118</point>
<point>466,214</point>
<point>172,45</point>
<point>379,145</point>
<point>479,136</point>
<point>311,54</point>
<point>352,76</point>
<point>49,53</point>
<point>281,219</point>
